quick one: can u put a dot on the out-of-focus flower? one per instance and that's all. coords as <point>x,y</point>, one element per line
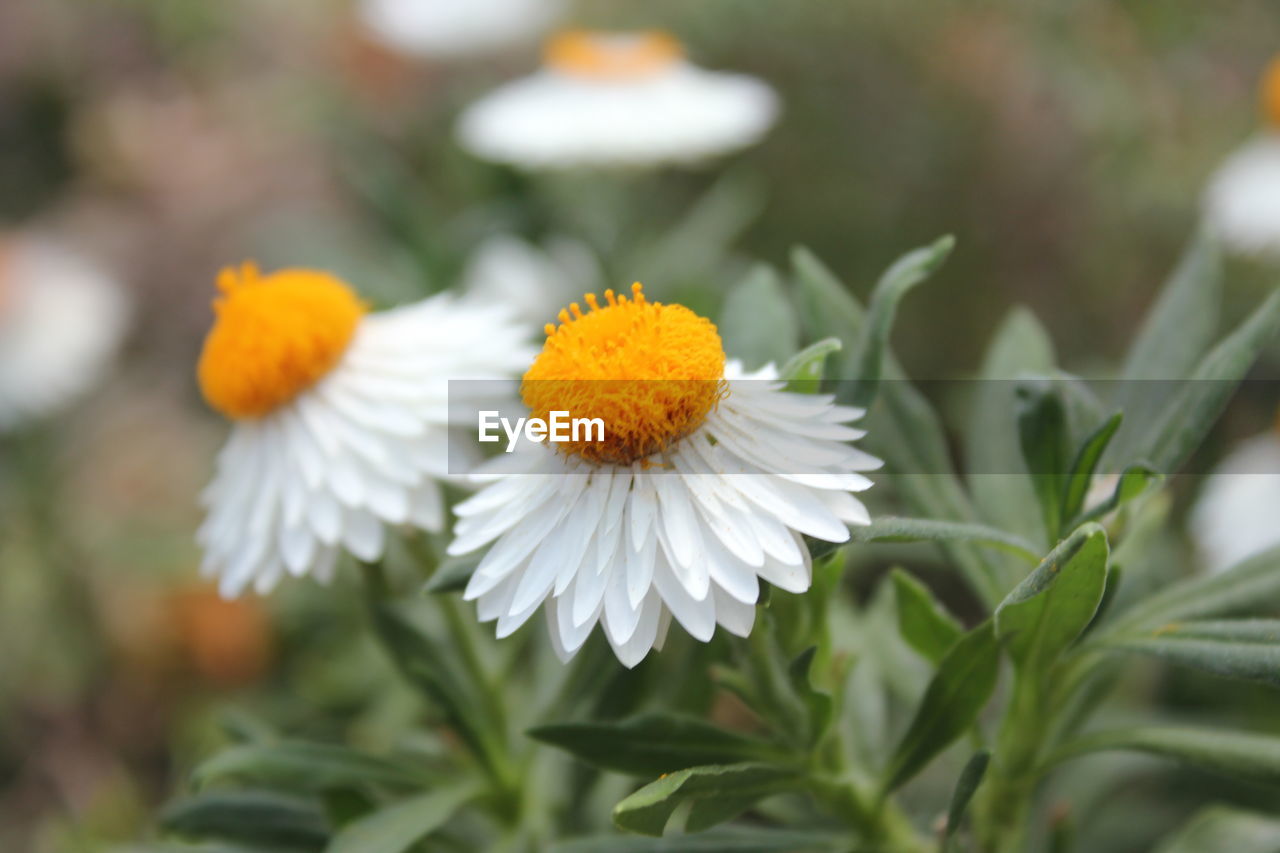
<point>534,283</point>
<point>449,29</point>
<point>617,99</point>
<point>701,485</point>
<point>228,643</point>
<point>61,320</point>
<point>340,418</point>
<point>1235,516</point>
<point>1242,203</point>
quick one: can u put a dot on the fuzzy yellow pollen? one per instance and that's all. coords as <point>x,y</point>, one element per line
<point>273,337</point>
<point>651,372</point>
<point>603,55</point>
<point>1271,93</point>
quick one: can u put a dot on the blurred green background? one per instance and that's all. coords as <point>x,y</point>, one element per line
<point>1065,144</point>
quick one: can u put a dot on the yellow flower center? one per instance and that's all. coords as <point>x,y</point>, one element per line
<point>1271,93</point>
<point>650,371</point>
<point>612,56</point>
<point>274,337</point>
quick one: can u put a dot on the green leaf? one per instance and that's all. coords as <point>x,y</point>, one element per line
<point>923,622</point>
<point>827,308</point>
<point>895,529</point>
<point>1248,586</point>
<point>757,323</point>
<point>804,370</point>
<point>453,574</point>
<point>960,688</point>
<point>717,794</point>
<point>819,703</point>
<point>873,343</point>
<point>652,744</point>
<point>1238,648</point>
<point>300,766</point>
<point>1042,434</point>
<point>1045,613</point>
<point>1187,418</point>
<point>997,473</point>
<point>1080,475</point>
<point>1135,480</point>
<point>248,817</point>
<point>397,827</point>
<point>755,839</point>
<point>1175,335</point>
<point>1221,828</point>
<point>1240,755</point>
<point>966,786</point>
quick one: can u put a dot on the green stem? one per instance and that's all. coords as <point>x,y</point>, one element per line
<point>881,825</point>
<point>1006,797</point>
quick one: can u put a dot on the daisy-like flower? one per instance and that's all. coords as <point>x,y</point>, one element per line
<point>617,99</point>
<point>701,487</point>
<point>340,419</point>
<point>1235,516</point>
<point>449,29</point>
<point>61,320</point>
<point>1242,203</point>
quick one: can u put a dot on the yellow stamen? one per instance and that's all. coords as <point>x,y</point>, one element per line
<point>273,337</point>
<point>651,372</point>
<point>583,53</point>
<point>1271,93</point>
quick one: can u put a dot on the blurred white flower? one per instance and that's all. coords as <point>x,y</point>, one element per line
<point>340,418</point>
<point>700,487</point>
<point>617,99</point>
<point>448,29</point>
<point>62,319</point>
<point>533,283</point>
<point>1242,201</point>
<point>1236,514</point>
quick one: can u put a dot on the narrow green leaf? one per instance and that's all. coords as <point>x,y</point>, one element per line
<point>1045,613</point>
<point>819,703</point>
<point>1080,475</point>
<point>895,529</point>
<point>1042,434</point>
<point>873,344</point>
<point>997,474</point>
<point>397,827</point>
<point>1246,587</point>
<point>754,839</point>
<point>1237,648</point>
<point>1188,417</point>
<point>922,620</point>
<point>248,817</point>
<point>1135,480</point>
<point>966,786</point>
<point>717,794</point>
<point>960,688</point>
<point>300,766</point>
<point>1241,755</point>
<point>757,323</point>
<point>652,744</point>
<point>1221,828</point>
<point>804,370</point>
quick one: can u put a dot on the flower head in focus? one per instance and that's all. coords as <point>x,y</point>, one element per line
<point>340,418</point>
<point>701,487</point>
<point>1235,515</point>
<point>61,320</point>
<point>449,29</point>
<point>617,99</point>
<point>1242,202</point>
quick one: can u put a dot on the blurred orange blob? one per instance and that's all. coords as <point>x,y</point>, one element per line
<point>226,642</point>
<point>612,55</point>
<point>1271,93</point>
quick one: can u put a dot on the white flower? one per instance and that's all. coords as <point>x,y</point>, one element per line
<point>1242,201</point>
<point>617,100</point>
<point>448,29</point>
<point>533,283</point>
<point>340,419</point>
<point>1235,515</point>
<point>702,487</point>
<point>61,320</point>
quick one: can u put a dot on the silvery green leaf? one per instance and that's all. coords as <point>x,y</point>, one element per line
<point>757,323</point>
<point>716,794</point>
